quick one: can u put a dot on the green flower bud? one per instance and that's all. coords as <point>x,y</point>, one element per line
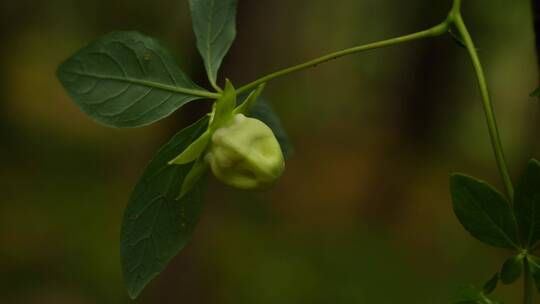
<point>245,154</point>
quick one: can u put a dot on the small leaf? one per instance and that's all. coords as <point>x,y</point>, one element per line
<point>247,104</point>
<point>512,269</point>
<point>468,294</point>
<point>195,174</point>
<point>191,153</point>
<point>264,111</point>
<point>125,80</point>
<point>483,211</point>
<point>534,264</point>
<point>491,284</point>
<point>214,24</point>
<point>527,203</point>
<point>535,93</point>
<point>224,107</point>
<point>156,226</point>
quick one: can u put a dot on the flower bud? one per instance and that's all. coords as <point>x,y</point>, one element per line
<point>245,154</point>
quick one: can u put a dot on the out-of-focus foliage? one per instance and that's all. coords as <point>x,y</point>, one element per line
<point>364,204</point>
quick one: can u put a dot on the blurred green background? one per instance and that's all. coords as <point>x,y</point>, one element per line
<point>362,214</point>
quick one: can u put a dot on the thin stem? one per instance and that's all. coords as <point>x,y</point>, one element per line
<point>216,87</point>
<point>528,289</point>
<point>488,107</point>
<point>431,32</point>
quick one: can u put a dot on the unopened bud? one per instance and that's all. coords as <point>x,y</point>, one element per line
<point>245,154</point>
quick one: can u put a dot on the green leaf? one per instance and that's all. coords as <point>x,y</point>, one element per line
<point>199,169</point>
<point>191,153</point>
<point>535,93</point>
<point>527,203</point>
<point>534,264</point>
<point>214,24</point>
<point>469,294</point>
<point>511,269</point>
<point>491,284</point>
<point>156,226</point>
<point>224,107</point>
<point>247,104</point>
<point>483,211</point>
<point>125,79</point>
<point>264,111</point>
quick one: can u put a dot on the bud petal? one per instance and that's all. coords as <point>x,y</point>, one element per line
<point>245,154</point>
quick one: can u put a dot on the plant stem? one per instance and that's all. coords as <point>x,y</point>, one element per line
<point>431,32</point>
<point>528,289</point>
<point>496,143</point>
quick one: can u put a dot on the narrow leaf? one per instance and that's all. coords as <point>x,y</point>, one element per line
<point>491,284</point>
<point>223,107</point>
<point>156,226</point>
<point>469,294</point>
<point>534,264</point>
<point>247,104</point>
<point>214,24</point>
<point>511,270</point>
<point>527,203</point>
<point>197,172</point>
<point>264,111</point>
<point>125,79</point>
<point>191,153</point>
<point>483,211</point>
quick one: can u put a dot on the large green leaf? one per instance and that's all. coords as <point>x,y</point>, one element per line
<point>527,203</point>
<point>214,24</point>
<point>156,225</point>
<point>125,79</point>
<point>483,211</point>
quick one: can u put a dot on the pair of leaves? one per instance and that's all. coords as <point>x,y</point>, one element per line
<point>510,272</point>
<point>513,269</point>
<point>487,215</point>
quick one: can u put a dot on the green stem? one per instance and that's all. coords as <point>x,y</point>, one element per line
<point>496,143</point>
<point>528,289</point>
<point>431,32</point>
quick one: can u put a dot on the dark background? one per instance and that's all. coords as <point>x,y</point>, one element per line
<point>362,214</point>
